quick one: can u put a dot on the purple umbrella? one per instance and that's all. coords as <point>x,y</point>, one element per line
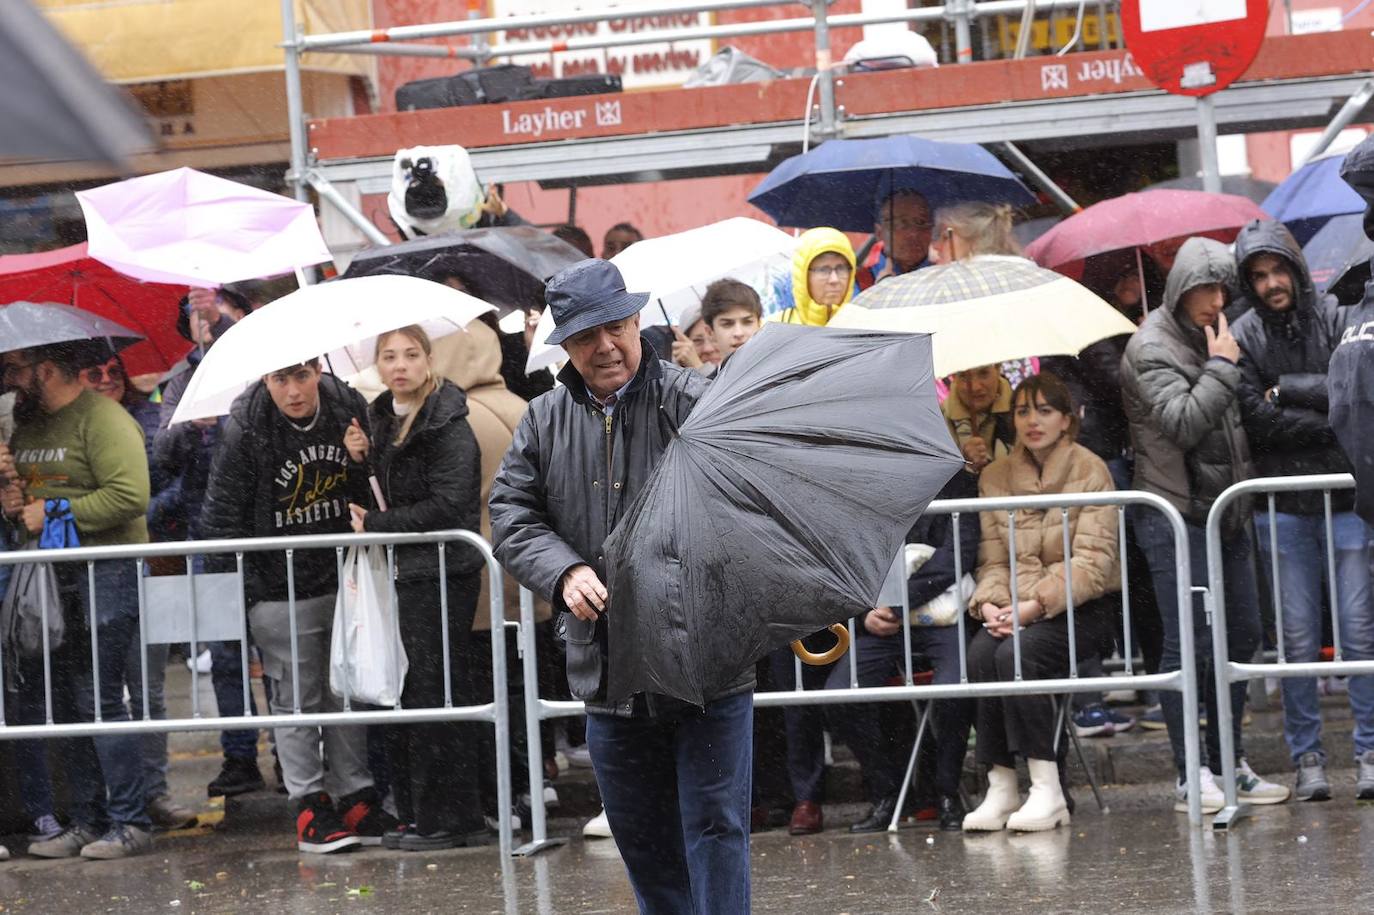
<point>189,228</point>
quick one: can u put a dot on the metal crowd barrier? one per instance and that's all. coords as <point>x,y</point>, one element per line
<point>1228,672</point>
<point>206,607</point>
<point>1183,680</point>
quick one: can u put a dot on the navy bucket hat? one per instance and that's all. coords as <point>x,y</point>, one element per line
<point>588,294</point>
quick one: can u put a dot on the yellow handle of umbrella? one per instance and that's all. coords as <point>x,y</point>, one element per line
<point>826,657</point>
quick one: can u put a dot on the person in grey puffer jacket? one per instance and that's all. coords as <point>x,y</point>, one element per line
<point>1179,381</point>
<point>674,778</point>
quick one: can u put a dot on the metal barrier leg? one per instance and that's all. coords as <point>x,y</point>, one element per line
<point>534,747</point>
<point>922,716</point>
<point>1066,727</point>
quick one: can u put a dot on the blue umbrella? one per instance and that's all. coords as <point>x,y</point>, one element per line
<point>1338,257</point>
<point>1310,196</point>
<point>841,182</point>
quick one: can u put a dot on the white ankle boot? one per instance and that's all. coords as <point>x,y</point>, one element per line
<point>1044,807</point>
<point>1001,800</point>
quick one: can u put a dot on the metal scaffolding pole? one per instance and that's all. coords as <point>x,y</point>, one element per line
<point>1343,119</point>
<point>329,193</point>
<point>1023,162</point>
<point>295,102</point>
<point>825,74</point>
<point>1207,143</point>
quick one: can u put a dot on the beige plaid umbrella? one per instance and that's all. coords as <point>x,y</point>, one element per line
<point>987,310</point>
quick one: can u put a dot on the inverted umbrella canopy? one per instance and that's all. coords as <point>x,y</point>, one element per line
<point>340,319</point>
<point>505,266</point>
<point>1306,199</point>
<point>987,310</point>
<point>69,276</point>
<point>185,227</point>
<point>841,182</point>
<point>799,473</point>
<point>1338,257</point>
<point>676,269</point>
<point>1143,220</point>
<point>28,324</point>
<point>55,105</point>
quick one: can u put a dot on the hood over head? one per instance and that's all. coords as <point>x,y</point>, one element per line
<point>1264,236</point>
<point>1358,171</point>
<point>811,245</point>
<point>1200,262</point>
<point>470,358</point>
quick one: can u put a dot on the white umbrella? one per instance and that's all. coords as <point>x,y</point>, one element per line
<point>676,269</point>
<point>188,228</point>
<point>987,310</point>
<point>340,319</point>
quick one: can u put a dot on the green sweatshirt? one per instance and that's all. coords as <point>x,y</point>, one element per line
<point>91,453</point>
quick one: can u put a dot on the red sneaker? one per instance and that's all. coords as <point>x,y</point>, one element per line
<point>319,829</point>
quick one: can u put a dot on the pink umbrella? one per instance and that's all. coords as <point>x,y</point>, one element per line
<point>1156,222</point>
<point>189,228</point>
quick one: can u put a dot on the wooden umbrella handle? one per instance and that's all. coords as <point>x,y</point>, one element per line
<point>826,657</point>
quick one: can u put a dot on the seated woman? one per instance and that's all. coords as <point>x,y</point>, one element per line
<point>1046,460</point>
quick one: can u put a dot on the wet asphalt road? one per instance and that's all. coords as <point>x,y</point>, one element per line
<point>1139,858</point>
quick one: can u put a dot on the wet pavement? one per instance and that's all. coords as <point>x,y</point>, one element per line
<point>1141,857</point>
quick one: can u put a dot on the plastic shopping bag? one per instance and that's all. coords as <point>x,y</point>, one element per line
<point>367,661</point>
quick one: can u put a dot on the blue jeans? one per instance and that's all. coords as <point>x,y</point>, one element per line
<point>1302,575</point>
<point>226,676</point>
<point>113,788</point>
<point>677,793</point>
<point>1156,539</point>
<point>154,745</point>
<point>26,705</point>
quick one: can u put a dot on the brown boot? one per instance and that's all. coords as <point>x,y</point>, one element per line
<point>806,819</point>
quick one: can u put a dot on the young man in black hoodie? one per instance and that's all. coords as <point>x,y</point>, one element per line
<point>281,469</point>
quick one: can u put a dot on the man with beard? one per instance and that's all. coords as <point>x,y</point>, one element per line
<point>1286,341</point>
<point>80,455</point>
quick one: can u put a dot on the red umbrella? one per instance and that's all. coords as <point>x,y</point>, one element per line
<point>69,277</point>
<point>1153,222</point>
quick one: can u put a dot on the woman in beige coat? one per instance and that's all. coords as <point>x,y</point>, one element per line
<point>1045,461</point>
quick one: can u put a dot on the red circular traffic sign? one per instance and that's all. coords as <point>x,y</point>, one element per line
<point>1193,47</point>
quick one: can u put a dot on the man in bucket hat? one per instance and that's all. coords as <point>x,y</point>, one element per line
<point>674,778</point>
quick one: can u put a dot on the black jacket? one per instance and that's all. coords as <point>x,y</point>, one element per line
<point>1094,380</point>
<point>570,474</point>
<point>936,574</point>
<point>1291,435</point>
<point>270,479</point>
<point>432,480</point>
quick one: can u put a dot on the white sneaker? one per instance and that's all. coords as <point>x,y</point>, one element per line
<point>598,827</point>
<point>580,757</point>
<point>550,797</point>
<point>1120,697</point>
<point>201,664</point>
<point>1254,790</point>
<point>1212,798</point>
<point>4,853</point>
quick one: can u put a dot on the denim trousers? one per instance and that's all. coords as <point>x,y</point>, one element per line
<point>676,789</point>
<point>878,658</point>
<point>1156,539</point>
<point>1302,546</point>
<point>804,725</point>
<point>105,774</point>
<point>26,705</point>
<point>154,745</point>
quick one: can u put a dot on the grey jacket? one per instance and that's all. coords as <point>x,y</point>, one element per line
<point>570,474</point>
<point>1289,434</point>
<point>1182,406</point>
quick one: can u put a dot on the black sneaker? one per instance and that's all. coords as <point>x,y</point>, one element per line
<point>363,814</point>
<point>438,841</point>
<point>320,830</point>
<point>392,837</point>
<point>237,776</point>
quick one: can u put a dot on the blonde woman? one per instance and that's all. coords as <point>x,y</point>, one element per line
<point>426,458</point>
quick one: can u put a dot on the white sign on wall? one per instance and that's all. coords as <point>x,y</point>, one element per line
<point>640,65</point>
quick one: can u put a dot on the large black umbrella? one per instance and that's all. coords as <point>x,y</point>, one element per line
<point>55,105</point>
<point>505,266</point>
<point>778,508</point>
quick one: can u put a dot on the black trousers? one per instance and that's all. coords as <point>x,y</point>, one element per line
<point>434,765</point>
<point>1025,724</point>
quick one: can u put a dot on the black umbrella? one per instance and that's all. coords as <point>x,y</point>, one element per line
<point>24,325</point>
<point>55,105</point>
<point>505,266</point>
<point>778,508</point>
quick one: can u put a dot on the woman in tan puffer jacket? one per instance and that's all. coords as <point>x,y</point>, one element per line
<point>1045,461</point>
